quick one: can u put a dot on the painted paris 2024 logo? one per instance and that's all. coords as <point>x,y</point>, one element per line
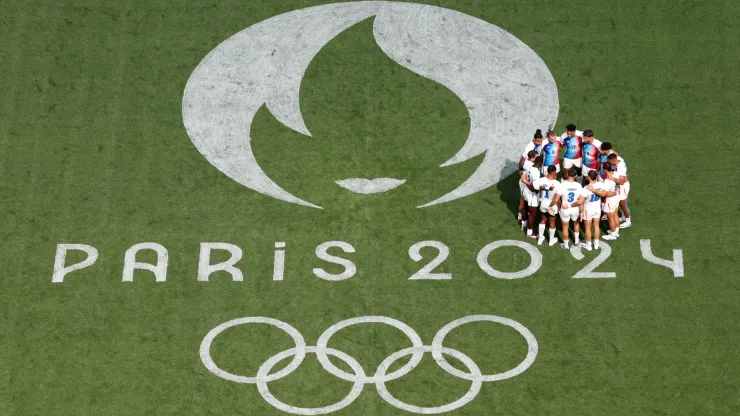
<point>509,93</point>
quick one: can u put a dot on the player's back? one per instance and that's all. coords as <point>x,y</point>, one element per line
<point>546,195</point>
<point>569,191</point>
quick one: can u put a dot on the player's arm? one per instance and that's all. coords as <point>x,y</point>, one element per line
<point>622,179</point>
<point>581,203</point>
<point>521,163</point>
<point>555,201</point>
<point>524,179</point>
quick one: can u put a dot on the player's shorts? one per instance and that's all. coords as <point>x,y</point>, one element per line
<point>567,163</point>
<point>611,204</point>
<point>585,170</point>
<point>554,210</point>
<point>522,188</point>
<point>570,214</point>
<point>623,191</point>
<point>531,197</point>
<point>591,212</point>
<point>544,169</point>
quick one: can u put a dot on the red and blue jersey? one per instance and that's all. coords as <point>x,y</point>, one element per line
<point>550,153</point>
<point>573,145</point>
<point>592,154</point>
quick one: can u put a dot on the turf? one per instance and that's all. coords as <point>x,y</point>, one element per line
<point>94,152</point>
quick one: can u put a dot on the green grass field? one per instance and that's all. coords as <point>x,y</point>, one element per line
<point>93,151</point>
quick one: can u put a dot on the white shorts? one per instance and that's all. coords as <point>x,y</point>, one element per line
<point>611,204</point>
<point>592,212</point>
<point>585,171</point>
<point>623,191</point>
<point>544,210</point>
<point>570,214</point>
<point>531,197</point>
<point>567,163</point>
<point>544,169</point>
<point>522,188</point>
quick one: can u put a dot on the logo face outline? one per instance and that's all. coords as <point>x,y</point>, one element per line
<point>506,87</point>
<point>359,378</point>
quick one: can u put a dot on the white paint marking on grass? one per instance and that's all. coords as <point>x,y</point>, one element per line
<point>159,269</point>
<point>588,271</point>
<point>349,268</point>
<point>60,260</point>
<point>427,272</point>
<point>508,90</point>
<point>205,268</point>
<point>370,186</point>
<point>278,265</point>
<point>676,265</point>
<point>535,259</point>
<point>358,376</point>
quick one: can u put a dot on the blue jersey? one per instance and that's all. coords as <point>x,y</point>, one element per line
<point>573,145</point>
<point>550,153</point>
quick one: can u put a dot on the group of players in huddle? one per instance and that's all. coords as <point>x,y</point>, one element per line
<point>594,181</point>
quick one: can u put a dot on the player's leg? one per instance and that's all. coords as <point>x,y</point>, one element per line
<point>532,214</point>
<point>576,228</point>
<point>565,220</point>
<point>597,229</point>
<point>624,191</point>
<point>541,230</point>
<point>553,219</point>
<point>587,230</point>
<point>522,203</point>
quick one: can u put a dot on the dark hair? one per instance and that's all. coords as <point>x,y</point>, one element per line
<point>570,127</point>
<point>538,134</point>
<point>606,146</point>
<point>572,172</point>
<point>592,175</point>
<point>588,133</point>
<point>531,154</point>
<point>612,156</point>
<point>551,169</point>
<point>607,167</point>
<point>538,160</point>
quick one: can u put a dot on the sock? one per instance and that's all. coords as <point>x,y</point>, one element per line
<point>596,243</point>
<point>609,231</point>
<point>542,230</point>
<point>519,216</point>
<point>552,233</point>
<point>524,224</point>
<point>565,243</point>
<point>577,238</point>
<point>529,231</point>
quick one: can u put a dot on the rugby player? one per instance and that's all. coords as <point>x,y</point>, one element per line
<point>591,203</point>
<point>535,144</point>
<point>547,186</point>
<point>591,153</point>
<point>611,203</point>
<point>551,152</point>
<point>531,155</point>
<point>623,182</point>
<point>530,195</point>
<point>572,140</point>
<point>568,199</point>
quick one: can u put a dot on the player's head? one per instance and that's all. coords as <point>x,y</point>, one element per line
<point>612,158</point>
<point>572,173</point>
<point>551,136</point>
<point>531,155</point>
<point>606,148</point>
<point>570,130</point>
<point>588,136</point>
<point>538,161</point>
<point>537,137</point>
<point>592,176</point>
<point>608,169</point>
<point>552,172</point>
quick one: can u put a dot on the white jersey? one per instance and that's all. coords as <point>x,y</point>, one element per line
<point>546,195</point>
<point>569,192</point>
<point>610,186</point>
<point>533,173</point>
<point>621,168</point>
<point>531,146</point>
<point>593,201</point>
<point>527,166</point>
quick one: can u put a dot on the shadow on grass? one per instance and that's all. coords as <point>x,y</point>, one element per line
<point>509,187</point>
